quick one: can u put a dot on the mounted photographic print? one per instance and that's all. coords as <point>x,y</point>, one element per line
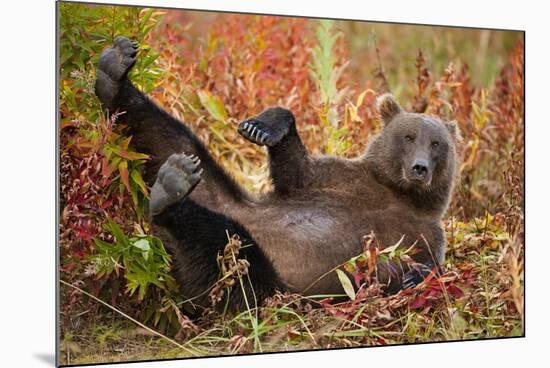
<point>240,183</point>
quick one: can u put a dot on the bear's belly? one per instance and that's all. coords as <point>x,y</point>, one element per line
<point>304,243</point>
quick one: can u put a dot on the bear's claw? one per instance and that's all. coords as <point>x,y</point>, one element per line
<point>415,275</point>
<point>256,133</point>
<point>261,133</point>
<point>268,128</point>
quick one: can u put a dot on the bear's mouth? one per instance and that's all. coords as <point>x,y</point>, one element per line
<point>419,181</point>
<point>423,182</point>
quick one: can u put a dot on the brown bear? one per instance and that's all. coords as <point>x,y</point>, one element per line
<point>320,207</point>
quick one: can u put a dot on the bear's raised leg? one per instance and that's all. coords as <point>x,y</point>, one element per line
<point>153,130</point>
<point>198,235</point>
<point>288,158</point>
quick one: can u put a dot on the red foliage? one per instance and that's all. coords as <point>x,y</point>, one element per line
<point>436,289</point>
<point>507,102</point>
<point>243,60</point>
<point>86,196</point>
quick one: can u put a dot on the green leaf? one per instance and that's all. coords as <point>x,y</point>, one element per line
<point>143,244</point>
<point>134,194</point>
<point>213,105</point>
<point>147,14</point>
<point>136,177</point>
<point>346,284</point>
<point>148,60</point>
<point>391,250</point>
<point>118,234</point>
<point>102,245</point>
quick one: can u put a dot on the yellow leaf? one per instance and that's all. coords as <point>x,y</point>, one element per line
<point>346,284</point>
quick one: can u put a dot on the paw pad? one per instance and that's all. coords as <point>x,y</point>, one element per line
<point>177,178</point>
<point>117,60</point>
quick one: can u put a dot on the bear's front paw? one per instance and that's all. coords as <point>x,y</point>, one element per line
<point>256,132</point>
<point>415,275</point>
<point>117,60</point>
<point>177,178</point>
<point>267,128</point>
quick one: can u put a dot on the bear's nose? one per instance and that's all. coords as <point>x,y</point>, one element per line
<point>420,168</point>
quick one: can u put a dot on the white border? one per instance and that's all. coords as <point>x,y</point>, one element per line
<point>28,173</point>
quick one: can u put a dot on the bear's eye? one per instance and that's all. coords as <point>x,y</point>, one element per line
<point>435,144</point>
<point>409,138</point>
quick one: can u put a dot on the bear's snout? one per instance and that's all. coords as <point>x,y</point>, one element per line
<point>420,171</point>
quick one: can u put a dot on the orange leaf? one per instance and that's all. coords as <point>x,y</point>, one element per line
<point>133,155</point>
<point>123,169</point>
<point>125,143</point>
<point>106,169</point>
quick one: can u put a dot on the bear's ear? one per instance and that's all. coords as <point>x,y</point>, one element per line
<point>453,128</point>
<point>388,107</point>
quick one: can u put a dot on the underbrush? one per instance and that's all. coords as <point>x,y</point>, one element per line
<point>118,299</point>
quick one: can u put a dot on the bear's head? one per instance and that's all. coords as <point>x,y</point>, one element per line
<point>415,153</point>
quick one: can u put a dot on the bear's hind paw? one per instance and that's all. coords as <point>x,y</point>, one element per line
<point>176,179</point>
<point>117,60</point>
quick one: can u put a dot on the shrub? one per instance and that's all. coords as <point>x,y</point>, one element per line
<point>103,194</point>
